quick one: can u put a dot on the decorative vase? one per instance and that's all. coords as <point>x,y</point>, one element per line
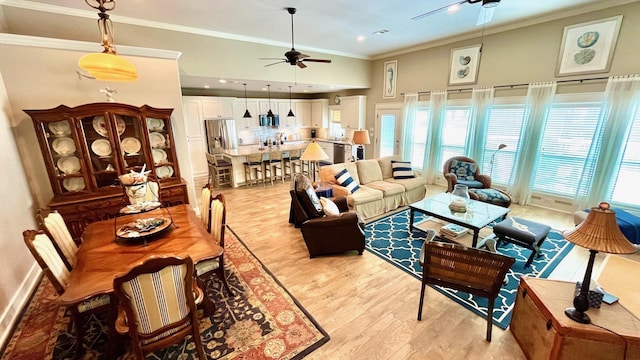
<point>459,198</point>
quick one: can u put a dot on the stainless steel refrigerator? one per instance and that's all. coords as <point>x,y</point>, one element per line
<point>221,134</point>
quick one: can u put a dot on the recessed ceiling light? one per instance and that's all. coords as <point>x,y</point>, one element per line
<point>380,32</point>
<point>453,8</point>
<point>361,38</point>
<point>207,86</point>
<point>222,81</point>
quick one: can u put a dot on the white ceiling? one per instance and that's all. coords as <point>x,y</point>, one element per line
<point>326,26</point>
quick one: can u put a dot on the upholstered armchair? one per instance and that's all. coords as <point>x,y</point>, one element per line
<point>463,170</point>
<point>322,233</point>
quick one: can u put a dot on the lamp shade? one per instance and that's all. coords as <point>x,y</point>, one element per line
<point>361,137</point>
<point>108,67</point>
<point>314,152</point>
<point>600,232</point>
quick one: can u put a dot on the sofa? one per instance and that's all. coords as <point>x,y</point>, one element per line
<point>378,190</point>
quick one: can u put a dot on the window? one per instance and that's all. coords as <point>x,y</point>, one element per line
<point>420,132</point>
<point>454,132</point>
<point>565,145</point>
<point>625,189</point>
<point>504,128</point>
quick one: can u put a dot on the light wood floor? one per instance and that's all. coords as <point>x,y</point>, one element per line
<point>367,305</point>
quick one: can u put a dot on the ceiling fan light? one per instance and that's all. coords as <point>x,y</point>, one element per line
<point>108,67</point>
<point>490,3</point>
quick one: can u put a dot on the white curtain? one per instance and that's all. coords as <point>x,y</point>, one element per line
<point>481,101</point>
<point>539,101</point>
<point>409,119</point>
<point>622,99</point>
<point>437,107</point>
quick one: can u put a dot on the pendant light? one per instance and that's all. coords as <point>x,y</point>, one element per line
<point>247,114</point>
<point>290,114</point>
<point>107,65</point>
<point>270,113</point>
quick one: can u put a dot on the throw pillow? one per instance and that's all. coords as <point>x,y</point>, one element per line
<point>344,179</point>
<point>402,169</point>
<point>464,170</point>
<point>329,207</point>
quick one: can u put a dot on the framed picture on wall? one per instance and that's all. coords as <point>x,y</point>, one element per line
<point>464,64</point>
<point>588,47</point>
<point>390,78</point>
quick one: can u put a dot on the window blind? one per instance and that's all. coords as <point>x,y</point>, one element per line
<point>625,190</point>
<point>420,131</point>
<point>454,132</point>
<point>503,128</point>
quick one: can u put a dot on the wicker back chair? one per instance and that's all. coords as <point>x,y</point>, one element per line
<point>458,267</point>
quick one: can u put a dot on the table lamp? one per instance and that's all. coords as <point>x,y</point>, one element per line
<point>361,138</point>
<point>599,232</point>
<point>313,153</point>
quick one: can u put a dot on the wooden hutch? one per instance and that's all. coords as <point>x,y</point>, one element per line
<point>86,148</point>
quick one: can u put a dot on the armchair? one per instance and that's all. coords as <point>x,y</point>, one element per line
<point>324,234</point>
<point>463,170</point>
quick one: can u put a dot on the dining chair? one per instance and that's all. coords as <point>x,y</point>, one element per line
<point>252,167</point>
<point>272,165</point>
<point>461,268</point>
<point>54,225</point>
<point>55,269</point>
<point>205,206</point>
<point>217,226</point>
<point>157,304</point>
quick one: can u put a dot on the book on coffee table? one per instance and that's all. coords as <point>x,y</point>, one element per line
<point>452,231</point>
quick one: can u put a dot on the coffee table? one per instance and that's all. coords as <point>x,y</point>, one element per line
<point>478,215</point>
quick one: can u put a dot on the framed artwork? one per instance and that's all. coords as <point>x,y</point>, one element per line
<point>390,79</point>
<point>464,64</point>
<point>588,47</point>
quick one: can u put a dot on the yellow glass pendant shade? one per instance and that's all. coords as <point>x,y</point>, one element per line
<point>108,67</point>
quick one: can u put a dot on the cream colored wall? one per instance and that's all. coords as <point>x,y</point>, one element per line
<point>19,270</point>
<point>517,56</point>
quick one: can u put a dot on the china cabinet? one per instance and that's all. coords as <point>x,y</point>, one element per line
<point>86,148</point>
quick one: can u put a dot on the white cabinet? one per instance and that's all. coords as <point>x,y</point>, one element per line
<point>352,112</point>
<point>265,105</point>
<point>287,122</point>
<point>217,107</point>
<point>319,113</point>
<point>303,113</point>
<point>239,107</point>
<point>327,147</point>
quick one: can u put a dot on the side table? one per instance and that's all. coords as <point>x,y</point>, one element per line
<point>324,190</point>
<point>543,331</point>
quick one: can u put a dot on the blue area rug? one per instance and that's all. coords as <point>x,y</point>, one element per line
<point>390,239</point>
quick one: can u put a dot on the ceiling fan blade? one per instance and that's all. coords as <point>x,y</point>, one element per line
<point>271,59</point>
<point>302,56</point>
<point>434,11</point>
<point>316,60</point>
<point>301,65</point>
<point>279,62</point>
<point>485,15</point>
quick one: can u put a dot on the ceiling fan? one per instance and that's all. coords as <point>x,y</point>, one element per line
<point>485,15</point>
<point>293,56</point>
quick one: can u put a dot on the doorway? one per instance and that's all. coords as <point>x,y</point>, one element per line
<point>389,125</point>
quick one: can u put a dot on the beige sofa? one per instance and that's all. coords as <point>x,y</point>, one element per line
<point>379,192</point>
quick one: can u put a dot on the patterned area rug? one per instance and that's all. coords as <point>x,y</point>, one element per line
<point>262,321</point>
<point>390,239</point>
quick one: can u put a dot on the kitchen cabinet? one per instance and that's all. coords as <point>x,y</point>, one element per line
<point>327,146</point>
<point>353,112</point>
<point>319,113</point>
<point>287,122</point>
<point>86,148</point>
<point>239,107</point>
<point>303,113</point>
<point>217,107</point>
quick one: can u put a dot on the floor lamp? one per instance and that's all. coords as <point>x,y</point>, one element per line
<point>314,153</point>
<point>361,138</point>
<point>599,232</point>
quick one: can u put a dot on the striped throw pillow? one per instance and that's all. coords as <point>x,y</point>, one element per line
<point>401,169</point>
<point>345,179</point>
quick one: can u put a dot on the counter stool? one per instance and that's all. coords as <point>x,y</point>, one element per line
<point>220,170</point>
<point>292,163</point>
<point>272,165</point>
<point>252,167</point>
<point>521,232</point>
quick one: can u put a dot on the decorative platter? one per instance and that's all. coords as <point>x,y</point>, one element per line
<point>100,126</point>
<point>140,207</point>
<point>73,184</point>
<point>155,124</point>
<point>131,145</point>
<point>101,147</point>
<point>159,156</point>
<point>143,228</point>
<point>156,139</point>
<point>69,165</point>
<point>164,172</point>
<point>63,146</point>
<point>60,128</point>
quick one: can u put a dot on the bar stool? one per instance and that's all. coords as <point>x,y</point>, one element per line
<point>252,166</point>
<point>292,163</point>
<point>220,170</point>
<point>272,165</point>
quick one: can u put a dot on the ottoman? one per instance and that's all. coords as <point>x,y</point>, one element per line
<point>491,196</point>
<point>521,232</point>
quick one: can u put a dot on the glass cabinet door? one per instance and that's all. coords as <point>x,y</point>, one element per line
<point>64,155</point>
<point>131,142</point>
<point>100,150</point>
<point>164,161</point>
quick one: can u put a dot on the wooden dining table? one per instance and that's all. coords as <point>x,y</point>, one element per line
<point>102,255</point>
